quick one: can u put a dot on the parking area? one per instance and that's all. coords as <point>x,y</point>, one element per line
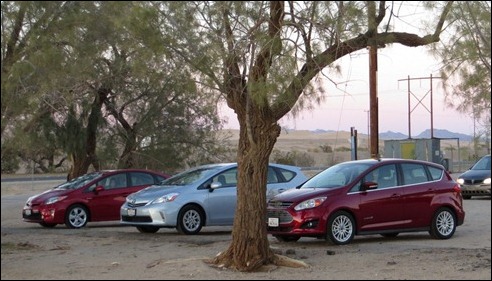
<point>112,251</point>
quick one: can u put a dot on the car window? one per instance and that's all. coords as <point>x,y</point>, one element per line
<point>384,176</point>
<point>114,181</point>
<point>436,173</point>
<point>138,178</point>
<point>337,175</point>
<point>482,164</point>
<point>288,175</point>
<point>414,173</point>
<point>227,178</point>
<point>189,176</point>
<point>79,181</point>
<point>272,176</point>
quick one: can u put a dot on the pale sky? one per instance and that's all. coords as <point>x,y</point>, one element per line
<point>347,104</point>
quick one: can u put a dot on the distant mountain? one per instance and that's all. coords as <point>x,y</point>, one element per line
<point>438,133</point>
<point>389,135</point>
<point>444,134</point>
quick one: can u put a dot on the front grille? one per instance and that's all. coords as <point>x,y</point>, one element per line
<point>475,192</point>
<point>136,219</point>
<point>472,182</point>
<point>135,205</point>
<point>279,229</point>
<point>33,216</point>
<point>279,204</point>
<point>282,215</point>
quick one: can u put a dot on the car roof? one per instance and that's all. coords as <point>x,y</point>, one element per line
<point>126,170</point>
<point>394,160</point>
<point>234,164</point>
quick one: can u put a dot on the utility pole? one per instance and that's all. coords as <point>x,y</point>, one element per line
<point>373,100</point>
<point>373,71</point>
<point>420,102</point>
<point>368,129</point>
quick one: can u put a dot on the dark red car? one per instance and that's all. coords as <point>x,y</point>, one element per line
<point>95,196</point>
<point>372,196</point>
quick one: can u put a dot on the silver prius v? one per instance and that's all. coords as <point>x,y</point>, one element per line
<point>201,196</point>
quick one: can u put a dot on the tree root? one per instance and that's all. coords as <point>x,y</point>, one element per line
<point>280,260</point>
<point>275,262</point>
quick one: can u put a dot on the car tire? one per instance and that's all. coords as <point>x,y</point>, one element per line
<point>443,224</point>
<point>287,239</point>
<point>340,229</point>
<point>76,216</point>
<point>190,220</point>
<point>147,229</point>
<point>47,225</point>
<point>466,196</point>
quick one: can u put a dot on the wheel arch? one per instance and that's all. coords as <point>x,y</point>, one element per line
<point>344,209</point>
<point>201,209</point>
<point>82,204</point>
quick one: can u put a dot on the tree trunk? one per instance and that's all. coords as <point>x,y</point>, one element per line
<point>250,249</point>
<point>81,160</point>
<point>127,158</point>
<point>79,166</point>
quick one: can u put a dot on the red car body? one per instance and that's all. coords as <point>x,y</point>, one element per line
<point>94,197</point>
<point>345,201</point>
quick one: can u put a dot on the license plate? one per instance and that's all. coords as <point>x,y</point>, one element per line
<point>27,212</point>
<point>131,212</point>
<point>273,222</point>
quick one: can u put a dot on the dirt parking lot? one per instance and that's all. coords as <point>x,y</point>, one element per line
<point>111,251</point>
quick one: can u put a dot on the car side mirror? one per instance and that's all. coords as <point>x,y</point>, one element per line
<point>368,185</point>
<point>98,189</point>
<point>214,185</point>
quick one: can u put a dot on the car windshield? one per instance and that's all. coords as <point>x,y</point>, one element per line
<point>190,177</point>
<point>78,182</point>
<point>482,164</point>
<point>338,175</point>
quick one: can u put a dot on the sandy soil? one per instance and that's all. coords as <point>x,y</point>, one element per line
<point>111,251</point>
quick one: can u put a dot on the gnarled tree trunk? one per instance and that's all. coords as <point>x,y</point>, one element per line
<point>250,248</point>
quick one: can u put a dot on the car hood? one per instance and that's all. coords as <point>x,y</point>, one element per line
<point>296,195</point>
<point>475,174</point>
<point>152,192</point>
<point>42,197</point>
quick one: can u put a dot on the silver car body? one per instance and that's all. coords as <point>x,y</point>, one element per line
<point>213,204</point>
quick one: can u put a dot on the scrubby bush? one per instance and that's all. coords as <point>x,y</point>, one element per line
<point>296,158</point>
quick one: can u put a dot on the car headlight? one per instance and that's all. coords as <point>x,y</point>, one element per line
<point>55,199</point>
<point>166,198</point>
<point>486,181</point>
<point>311,203</point>
<point>460,181</point>
<point>129,198</point>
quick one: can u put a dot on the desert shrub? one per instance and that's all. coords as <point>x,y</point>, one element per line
<point>326,148</point>
<point>295,158</point>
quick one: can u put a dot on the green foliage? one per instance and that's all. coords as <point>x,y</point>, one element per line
<point>68,61</point>
<point>10,161</point>
<point>466,58</point>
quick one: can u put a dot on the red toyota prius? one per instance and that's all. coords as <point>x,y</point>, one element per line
<point>372,196</point>
<point>92,197</point>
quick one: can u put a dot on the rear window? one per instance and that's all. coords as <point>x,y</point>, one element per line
<point>436,173</point>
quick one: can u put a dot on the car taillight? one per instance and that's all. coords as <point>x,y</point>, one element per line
<point>457,188</point>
